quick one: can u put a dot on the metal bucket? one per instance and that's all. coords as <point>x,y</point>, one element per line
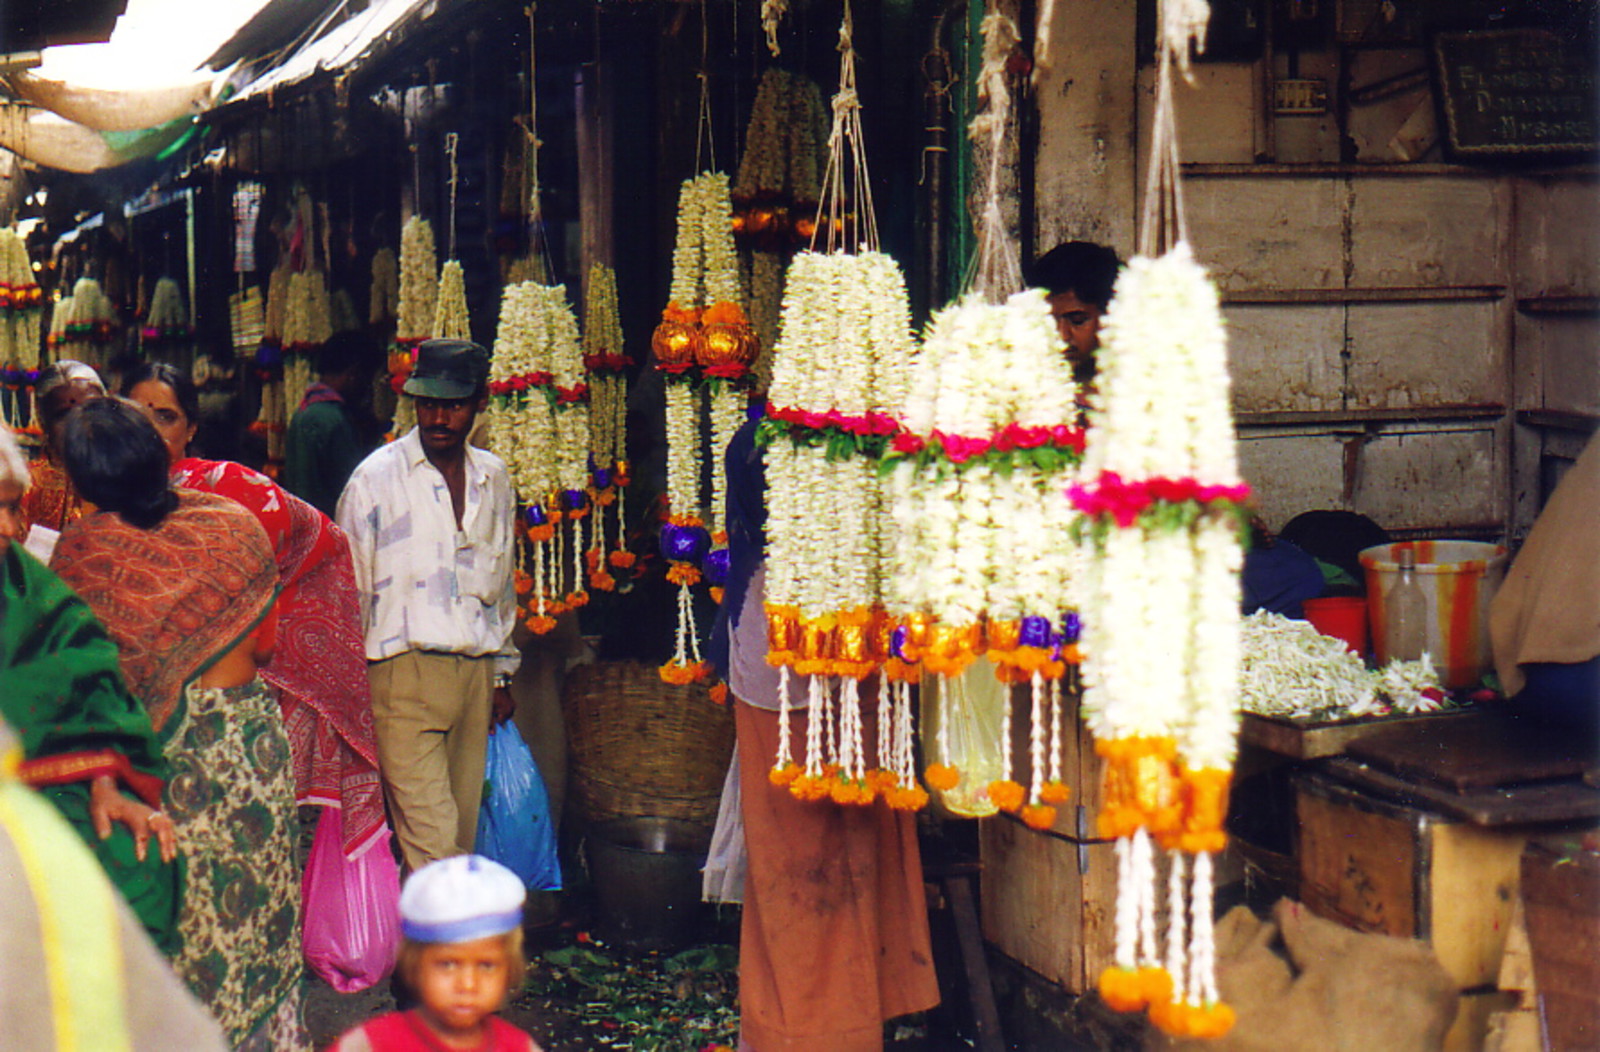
<point>646,874</point>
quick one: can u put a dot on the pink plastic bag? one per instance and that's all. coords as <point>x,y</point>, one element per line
<point>351,910</point>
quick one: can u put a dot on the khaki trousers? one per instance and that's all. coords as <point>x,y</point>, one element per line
<point>431,714</point>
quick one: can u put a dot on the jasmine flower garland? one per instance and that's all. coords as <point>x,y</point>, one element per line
<point>607,364</point>
<point>383,299</point>
<point>1161,623</point>
<point>979,565</point>
<point>450,318</point>
<point>703,335</point>
<point>839,370</point>
<point>21,304</point>
<point>539,426</point>
<point>419,290</point>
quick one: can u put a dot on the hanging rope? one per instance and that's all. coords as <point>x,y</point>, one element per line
<point>451,142</point>
<point>535,214</point>
<point>1180,25</point>
<point>846,150</point>
<point>702,131</point>
<point>997,268</point>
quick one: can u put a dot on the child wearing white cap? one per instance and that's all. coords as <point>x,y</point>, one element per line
<point>461,958</point>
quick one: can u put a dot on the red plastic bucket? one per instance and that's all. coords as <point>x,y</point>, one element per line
<point>1342,617</point>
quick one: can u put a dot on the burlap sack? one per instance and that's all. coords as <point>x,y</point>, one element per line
<point>1301,982</point>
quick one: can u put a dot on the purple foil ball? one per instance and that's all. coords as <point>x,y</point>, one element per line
<point>602,478</point>
<point>536,515</point>
<point>1035,632</point>
<point>686,544</point>
<point>718,561</point>
<point>573,499</point>
<point>897,641</point>
<point>1072,628</point>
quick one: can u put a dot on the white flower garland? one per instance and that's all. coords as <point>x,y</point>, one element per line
<point>21,304</point>
<point>277,307</point>
<point>1161,616</point>
<point>450,318</point>
<point>419,280</point>
<point>383,299</point>
<point>839,369</point>
<point>703,333</point>
<point>166,306</point>
<point>983,543</point>
<point>539,425</point>
<point>606,361</point>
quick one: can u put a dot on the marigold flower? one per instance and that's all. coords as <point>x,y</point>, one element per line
<point>683,573</point>
<point>1055,792</point>
<point>1006,794</point>
<point>1039,816</point>
<point>942,777</point>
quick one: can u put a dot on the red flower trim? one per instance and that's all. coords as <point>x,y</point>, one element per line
<point>728,371</point>
<point>1123,500</point>
<point>866,424</point>
<point>525,382</point>
<point>599,363</point>
<point>960,448</point>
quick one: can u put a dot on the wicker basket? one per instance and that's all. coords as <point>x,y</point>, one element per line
<point>639,747</point>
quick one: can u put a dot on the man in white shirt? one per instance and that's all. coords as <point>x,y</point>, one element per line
<point>430,520</point>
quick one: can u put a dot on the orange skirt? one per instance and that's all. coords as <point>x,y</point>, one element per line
<point>834,936</point>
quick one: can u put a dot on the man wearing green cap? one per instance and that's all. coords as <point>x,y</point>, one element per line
<point>430,520</point>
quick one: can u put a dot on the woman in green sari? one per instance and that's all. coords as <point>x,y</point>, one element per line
<point>184,582</point>
<point>88,744</point>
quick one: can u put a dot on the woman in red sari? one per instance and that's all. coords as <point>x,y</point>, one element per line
<point>320,668</point>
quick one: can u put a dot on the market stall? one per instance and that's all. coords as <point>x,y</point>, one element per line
<point>994,596</point>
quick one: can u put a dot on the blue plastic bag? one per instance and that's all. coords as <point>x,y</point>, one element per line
<point>514,825</point>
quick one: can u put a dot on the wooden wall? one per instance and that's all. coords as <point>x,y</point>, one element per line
<point>1415,340</point>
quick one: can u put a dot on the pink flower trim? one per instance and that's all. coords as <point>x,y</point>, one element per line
<point>1110,495</point>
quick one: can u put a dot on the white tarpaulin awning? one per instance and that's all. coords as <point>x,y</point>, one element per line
<point>45,139</point>
<point>117,111</point>
<point>345,45</point>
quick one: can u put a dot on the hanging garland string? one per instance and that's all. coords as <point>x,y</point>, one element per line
<point>704,345</point>
<point>839,379</point>
<point>1162,499</point>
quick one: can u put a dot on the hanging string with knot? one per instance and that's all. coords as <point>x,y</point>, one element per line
<point>1180,24</point>
<point>845,213</point>
<point>451,142</point>
<point>537,242</point>
<point>996,270</point>
<point>702,132</point>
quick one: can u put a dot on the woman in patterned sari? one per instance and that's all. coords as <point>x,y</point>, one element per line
<point>320,667</point>
<point>184,583</point>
